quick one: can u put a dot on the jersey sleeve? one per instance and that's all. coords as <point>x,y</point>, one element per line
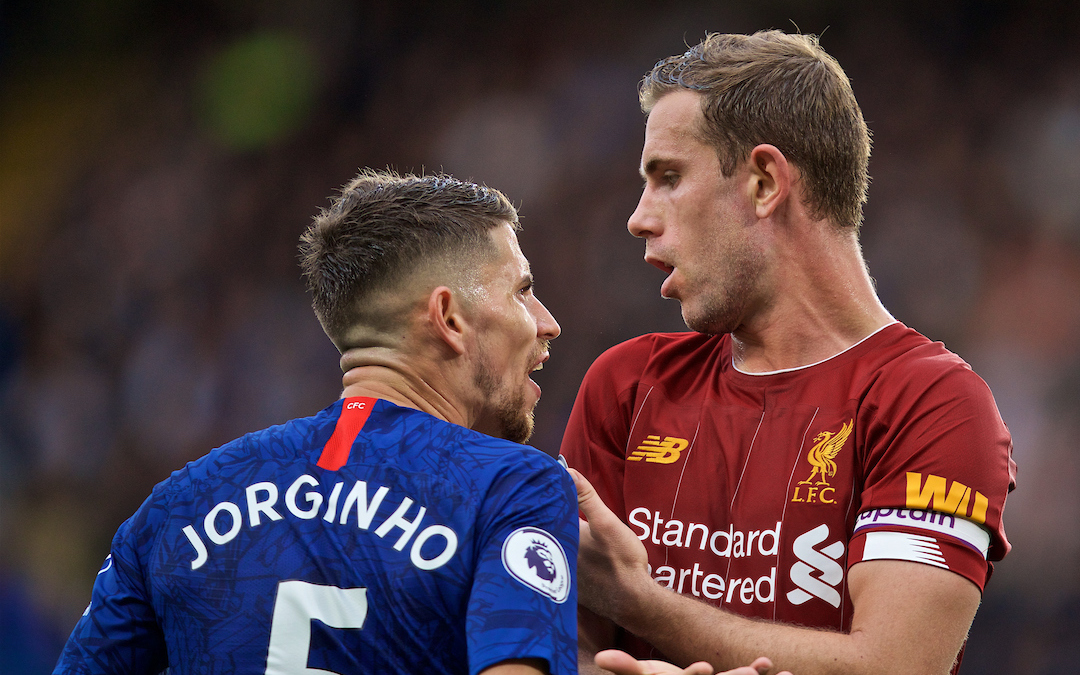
<point>939,468</point>
<point>598,430</point>
<point>524,597</point>
<point>119,632</point>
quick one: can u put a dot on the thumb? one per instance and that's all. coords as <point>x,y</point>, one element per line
<point>588,501</point>
<point>592,507</point>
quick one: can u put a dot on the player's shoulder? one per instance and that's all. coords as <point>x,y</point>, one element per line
<point>280,443</point>
<point>906,349</point>
<point>909,359</point>
<point>508,453</point>
<point>652,343</point>
<point>639,353</point>
<point>465,444</point>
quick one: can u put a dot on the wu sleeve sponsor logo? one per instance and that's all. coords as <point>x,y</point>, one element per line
<point>960,500</point>
<point>655,450</point>
<point>822,459</point>
<point>817,574</point>
<point>537,560</point>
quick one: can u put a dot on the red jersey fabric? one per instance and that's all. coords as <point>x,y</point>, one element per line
<point>758,492</point>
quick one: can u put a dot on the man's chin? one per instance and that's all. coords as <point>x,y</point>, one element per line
<point>706,322</point>
<point>520,430</point>
<point>698,323</point>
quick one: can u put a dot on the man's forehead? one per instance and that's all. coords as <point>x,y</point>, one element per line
<point>676,113</point>
<point>506,239</point>
<point>674,122</point>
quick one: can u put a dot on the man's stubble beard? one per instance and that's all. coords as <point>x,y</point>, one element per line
<point>728,309</point>
<point>513,417</point>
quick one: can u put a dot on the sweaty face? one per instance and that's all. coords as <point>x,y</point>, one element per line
<point>698,225</point>
<point>514,329</point>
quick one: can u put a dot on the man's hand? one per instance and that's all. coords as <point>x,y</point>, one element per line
<point>907,617</point>
<point>609,555</point>
<point>622,663</point>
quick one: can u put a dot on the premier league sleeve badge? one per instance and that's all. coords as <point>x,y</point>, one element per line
<point>537,559</point>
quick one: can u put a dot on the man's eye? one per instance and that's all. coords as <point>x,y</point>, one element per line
<point>671,178</point>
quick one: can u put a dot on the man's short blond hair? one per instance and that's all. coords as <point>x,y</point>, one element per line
<point>784,90</point>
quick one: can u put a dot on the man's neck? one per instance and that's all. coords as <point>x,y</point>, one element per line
<point>385,374</point>
<point>800,348</point>
<point>823,303</point>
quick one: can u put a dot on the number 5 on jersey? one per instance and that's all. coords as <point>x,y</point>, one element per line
<point>298,602</point>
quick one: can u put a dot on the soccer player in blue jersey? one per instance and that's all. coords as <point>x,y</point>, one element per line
<point>403,529</point>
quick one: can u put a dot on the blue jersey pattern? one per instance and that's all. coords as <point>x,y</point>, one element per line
<point>434,548</point>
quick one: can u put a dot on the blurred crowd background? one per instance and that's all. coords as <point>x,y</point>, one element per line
<point>158,161</point>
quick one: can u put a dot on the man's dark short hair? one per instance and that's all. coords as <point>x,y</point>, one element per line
<point>384,226</point>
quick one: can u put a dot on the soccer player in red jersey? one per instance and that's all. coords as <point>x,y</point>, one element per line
<point>803,476</point>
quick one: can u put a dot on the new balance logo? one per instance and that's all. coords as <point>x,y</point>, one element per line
<point>822,561</point>
<point>652,449</point>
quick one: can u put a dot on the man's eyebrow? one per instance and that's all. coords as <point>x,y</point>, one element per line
<point>651,166</point>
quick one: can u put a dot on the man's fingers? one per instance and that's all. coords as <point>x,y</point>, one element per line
<point>619,662</point>
<point>699,668</point>
<point>586,493</point>
<point>590,504</point>
<point>760,666</point>
<point>585,490</point>
<point>622,663</point>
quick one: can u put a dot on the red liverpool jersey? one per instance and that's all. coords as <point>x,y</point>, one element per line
<point>758,492</point>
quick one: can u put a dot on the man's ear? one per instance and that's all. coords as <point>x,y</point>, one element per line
<point>771,179</point>
<point>447,318</point>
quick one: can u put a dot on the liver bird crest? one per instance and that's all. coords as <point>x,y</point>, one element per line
<point>823,453</point>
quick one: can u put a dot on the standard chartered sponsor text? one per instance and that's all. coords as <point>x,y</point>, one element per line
<point>223,522</point>
<point>729,543</point>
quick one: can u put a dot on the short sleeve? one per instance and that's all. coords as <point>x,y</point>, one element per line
<point>939,460</point>
<point>524,596</point>
<point>119,631</point>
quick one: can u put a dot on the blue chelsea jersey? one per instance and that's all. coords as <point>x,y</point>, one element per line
<point>369,538</point>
